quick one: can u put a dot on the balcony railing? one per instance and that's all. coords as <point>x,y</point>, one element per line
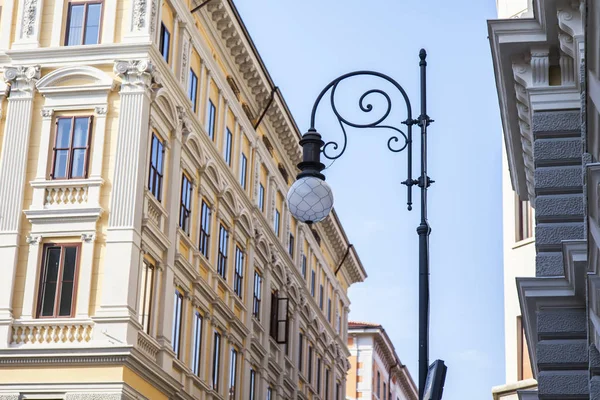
<point>54,332</point>
<point>147,345</point>
<point>154,212</point>
<point>66,194</point>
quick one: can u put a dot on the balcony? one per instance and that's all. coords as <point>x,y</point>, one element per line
<point>147,345</point>
<point>51,333</point>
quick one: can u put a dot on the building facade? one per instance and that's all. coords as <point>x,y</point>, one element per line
<point>519,256</point>
<point>376,371</point>
<point>146,245</point>
<point>547,68</point>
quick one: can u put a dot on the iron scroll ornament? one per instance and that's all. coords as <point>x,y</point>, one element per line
<point>378,123</point>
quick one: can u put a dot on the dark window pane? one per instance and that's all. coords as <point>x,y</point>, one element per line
<point>92,26</point>
<point>69,264</point>
<point>66,298</point>
<point>63,134</point>
<point>48,299</point>
<point>78,167</point>
<point>75,29</point>
<point>52,264</point>
<point>80,134</point>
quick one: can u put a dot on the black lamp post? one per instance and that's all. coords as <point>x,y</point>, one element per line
<point>310,199</point>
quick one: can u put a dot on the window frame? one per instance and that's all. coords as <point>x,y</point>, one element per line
<point>257,295</point>
<point>313,278</point>
<point>243,170</point>
<point>185,209</point>
<point>71,149</point>
<point>261,197</point>
<point>59,281</point>
<point>216,364</point>
<point>300,351</point>
<point>193,95</point>
<point>277,222</point>
<point>233,356</point>
<point>84,27</point>
<point>197,345</point>
<point>222,255</point>
<point>291,245</point>
<point>177,322</point>
<point>153,174</point>
<point>303,266</point>
<point>205,226</point>
<point>318,380</point>
<point>310,361</point>
<point>252,384</point>
<point>163,30</point>
<point>146,320</point>
<point>238,277</point>
<point>228,146</point>
<point>211,120</point>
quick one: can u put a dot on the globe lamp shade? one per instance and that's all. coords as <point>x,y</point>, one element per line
<point>310,199</point>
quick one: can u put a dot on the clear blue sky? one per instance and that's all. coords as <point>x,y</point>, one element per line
<point>305,44</point>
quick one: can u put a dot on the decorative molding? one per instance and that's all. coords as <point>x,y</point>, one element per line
<point>137,75</point>
<point>139,15</point>
<point>29,17</point>
<point>33,240</point>
<point>22,80</point>
<point>101,110</point>
<point>47,112</point>
<point>88,237</point>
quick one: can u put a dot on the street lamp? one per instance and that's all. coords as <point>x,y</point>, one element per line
<point>310,199</point>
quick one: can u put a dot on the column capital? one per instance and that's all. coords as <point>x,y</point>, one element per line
<point>88,237</point>
<point>33,240</point>
<point>22,80</point>
<point>137,75</point>
<point>47,113</point>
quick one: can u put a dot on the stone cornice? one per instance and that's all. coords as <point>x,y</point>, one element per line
<point>523,51</point>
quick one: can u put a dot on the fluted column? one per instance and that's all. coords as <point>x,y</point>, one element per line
<point>13,164</point>
<point>123,239</point>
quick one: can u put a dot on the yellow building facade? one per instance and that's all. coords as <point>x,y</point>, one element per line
<point>147,250</point>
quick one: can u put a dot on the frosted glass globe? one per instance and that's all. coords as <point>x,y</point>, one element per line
<point>310,199</point>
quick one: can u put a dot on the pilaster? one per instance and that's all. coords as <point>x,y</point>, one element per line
<point>144,21</point>
<point>13,162</point>
<point>123,242</point>
<point>29,21</point>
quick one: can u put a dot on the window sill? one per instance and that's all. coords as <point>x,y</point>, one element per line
<point>523,242</point>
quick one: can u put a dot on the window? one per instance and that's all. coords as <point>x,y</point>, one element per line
<point>197,349</point>
<point>524,220</point>
<point>223,245</point>
<point>228,144</point>
<point>261,197</point>
<point>327,384</point>
<point>71,147</point>
<point>300,351</point>
<point>83,23</point>
<point>238,278</point>
<point>329,310</point>
<point>321,297</point>
<point>378,384</point>
<point>155,176</point>
<point>273,320</point>
<point>310,361</point>
<point>304,266</point>
<point>269,393</point>
<point>338,391</point>
<point>524,370</point>
<point>312,283</point>
<point>318,375</point>
<point>146,296</point>
<point>384,391</point>
<point>193,89</point>
<point>165,42</point>
<point>216,360</point>
<point>211,121</point>
<point>252,384</point>
<point>243,170</point>
<point>276,222</point>
<point>177,321</point>
<point>204,239</point>
<point>57,282</point>
<point>257,295</point>
<point>291,246</point>
<point>232,373</point>
<point>185,208</point>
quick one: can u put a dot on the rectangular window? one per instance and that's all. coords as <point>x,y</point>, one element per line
<point>211,121</point>
<point>83,23</point>
<point>329,310</point>
<point>185,207</point>
<point>524,219</point>
<point>338,391</point>
<point>327,384</point>
<point>204,239</point>
<point>318,375</point>
<point>228,145</point>
<point>243,170</point>
<point>384,391</point>
<point>238,279</point>
<point>312,283</point>
<point>193,90</point>
<point>216,361</point>
<point>232,374</point>
<point>57,281</point>
<point>146,296</point>
<point>300,351</point>
<point>378,384</point>
<point>261,197</point>
<point>223,248</point>
<point>165,42</point>
<point>71,148</point>
<point>276,222</point>
<point>273,319</point>
<point>196,356</point>
<point>269,393</point>
<point>155,176</point>
<point>304,266</point>
<point>257,295</point>
<point>291,246</point>
<point>252,384</point>
<point>310,361</point>
<point>321,297</point>
<point>177,321</point>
